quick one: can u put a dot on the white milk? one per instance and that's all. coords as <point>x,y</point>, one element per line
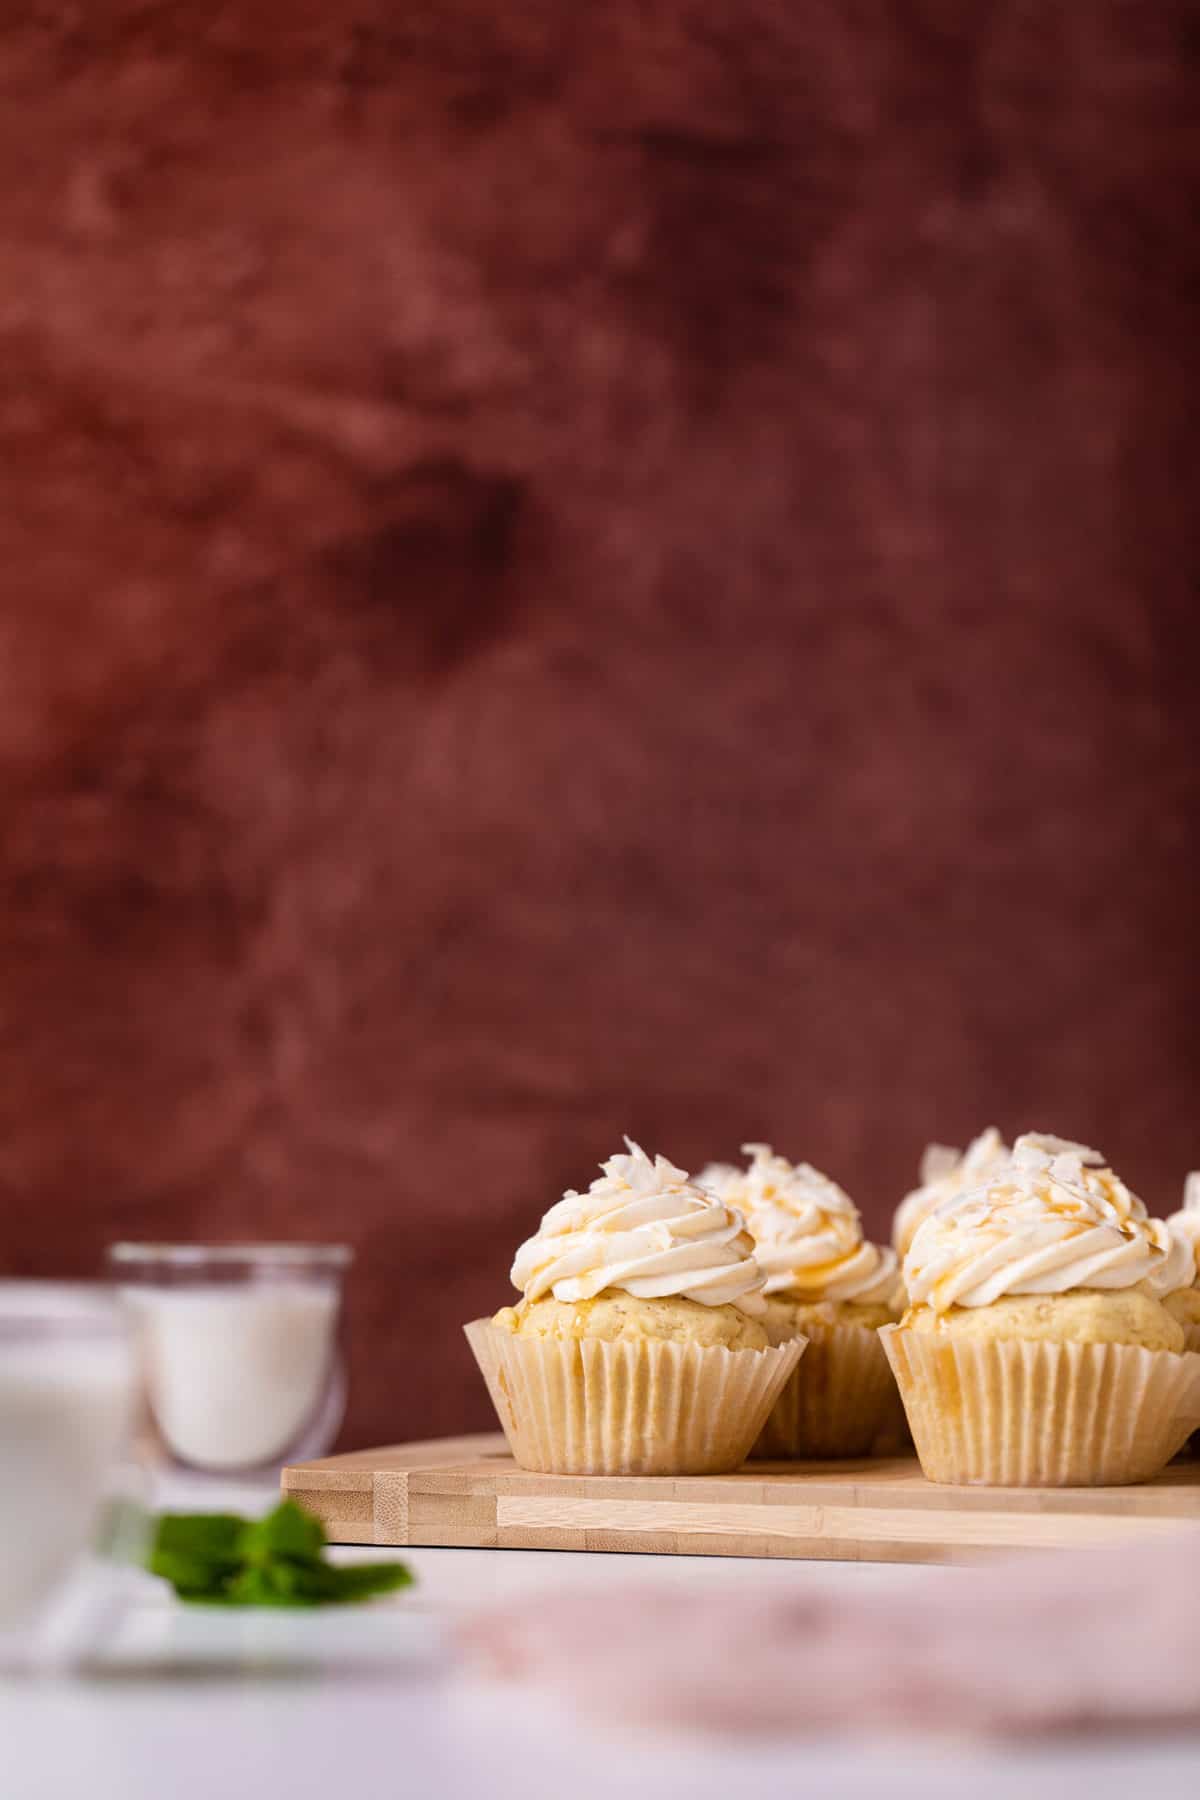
<point>66,1406</point>
<point>236,1370</point>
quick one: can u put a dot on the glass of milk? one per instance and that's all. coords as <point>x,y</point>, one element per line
<point>242,1347</point>
<point>68,1397</point>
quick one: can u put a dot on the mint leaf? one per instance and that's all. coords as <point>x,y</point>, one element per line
<point>270,1584</point>
<point>288,1531</point>
<point>219,1559</point>
<point>215,1536</point>
<point>362,1581</point>
<point>195,1552</point>
<point>190,1576</point>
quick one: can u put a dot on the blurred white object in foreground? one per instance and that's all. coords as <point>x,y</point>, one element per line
<point>68,1382</point>
<point>1105,1639</point>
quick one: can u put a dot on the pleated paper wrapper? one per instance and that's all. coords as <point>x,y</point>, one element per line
<point>1016,1413</point>
<point>582,1407</point>
<point>839,1401</point>
<point>1191,1338</point>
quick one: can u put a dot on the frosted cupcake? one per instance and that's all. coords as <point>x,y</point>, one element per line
<point>945,1175</point>
<point>826,1282</point>
<point>639,1346</point>
<point>1037,1350</point>
<point>1184,1304</point>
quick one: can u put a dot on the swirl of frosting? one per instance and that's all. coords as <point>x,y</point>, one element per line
<point>644,1227</point>
<point>719,1178</point>
<point>1185,1224</point>
<point>946,1174</point>
<point>1038,1227</point>
<point>808,1234</point>
<point>1094,1171</point>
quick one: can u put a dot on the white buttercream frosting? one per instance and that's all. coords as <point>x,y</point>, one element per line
<point>1039,1225</point>
<point>719,1178</point>
<point>1185,1224</point>
<point>945,1175</point>
<point>645,1228</point>
<point>808,1234</point>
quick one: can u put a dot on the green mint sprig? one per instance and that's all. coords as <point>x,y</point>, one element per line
<point>219,1559</point>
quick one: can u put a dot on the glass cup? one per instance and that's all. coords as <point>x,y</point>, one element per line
<point>243,1349</point>
<point>68,1399</point>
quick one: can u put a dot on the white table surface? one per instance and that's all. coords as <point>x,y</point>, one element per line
<point>195,1705</point>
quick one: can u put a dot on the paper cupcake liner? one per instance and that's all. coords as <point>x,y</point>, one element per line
<point>1017,1413</point>
<point>894,1437</point>
<point>1191,1342</point>
<point>838,1402</point>
<point>579,1406</point>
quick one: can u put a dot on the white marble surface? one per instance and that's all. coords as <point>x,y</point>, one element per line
<point>192,1705</point>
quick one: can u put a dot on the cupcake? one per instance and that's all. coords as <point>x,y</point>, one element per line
<point>825,1282</point>
<point>1037,1349</point>
<point>639,1346</point>
<point>946,1175</point>
<point>1184,1304</point>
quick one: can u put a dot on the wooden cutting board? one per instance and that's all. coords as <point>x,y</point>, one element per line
<point>468,1491</point>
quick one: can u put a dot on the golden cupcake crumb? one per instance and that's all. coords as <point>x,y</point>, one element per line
<point>1184,1305</point>
<point>788,1318</point>
<point>617,1317</point>
<point>1083,1316</point>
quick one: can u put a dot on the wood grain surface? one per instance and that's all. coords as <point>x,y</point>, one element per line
<point>468,1492</point>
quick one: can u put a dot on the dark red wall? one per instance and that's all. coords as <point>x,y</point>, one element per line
<point>570,570</point>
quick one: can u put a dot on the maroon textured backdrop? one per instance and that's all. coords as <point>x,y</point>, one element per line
<point>572,570</point>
